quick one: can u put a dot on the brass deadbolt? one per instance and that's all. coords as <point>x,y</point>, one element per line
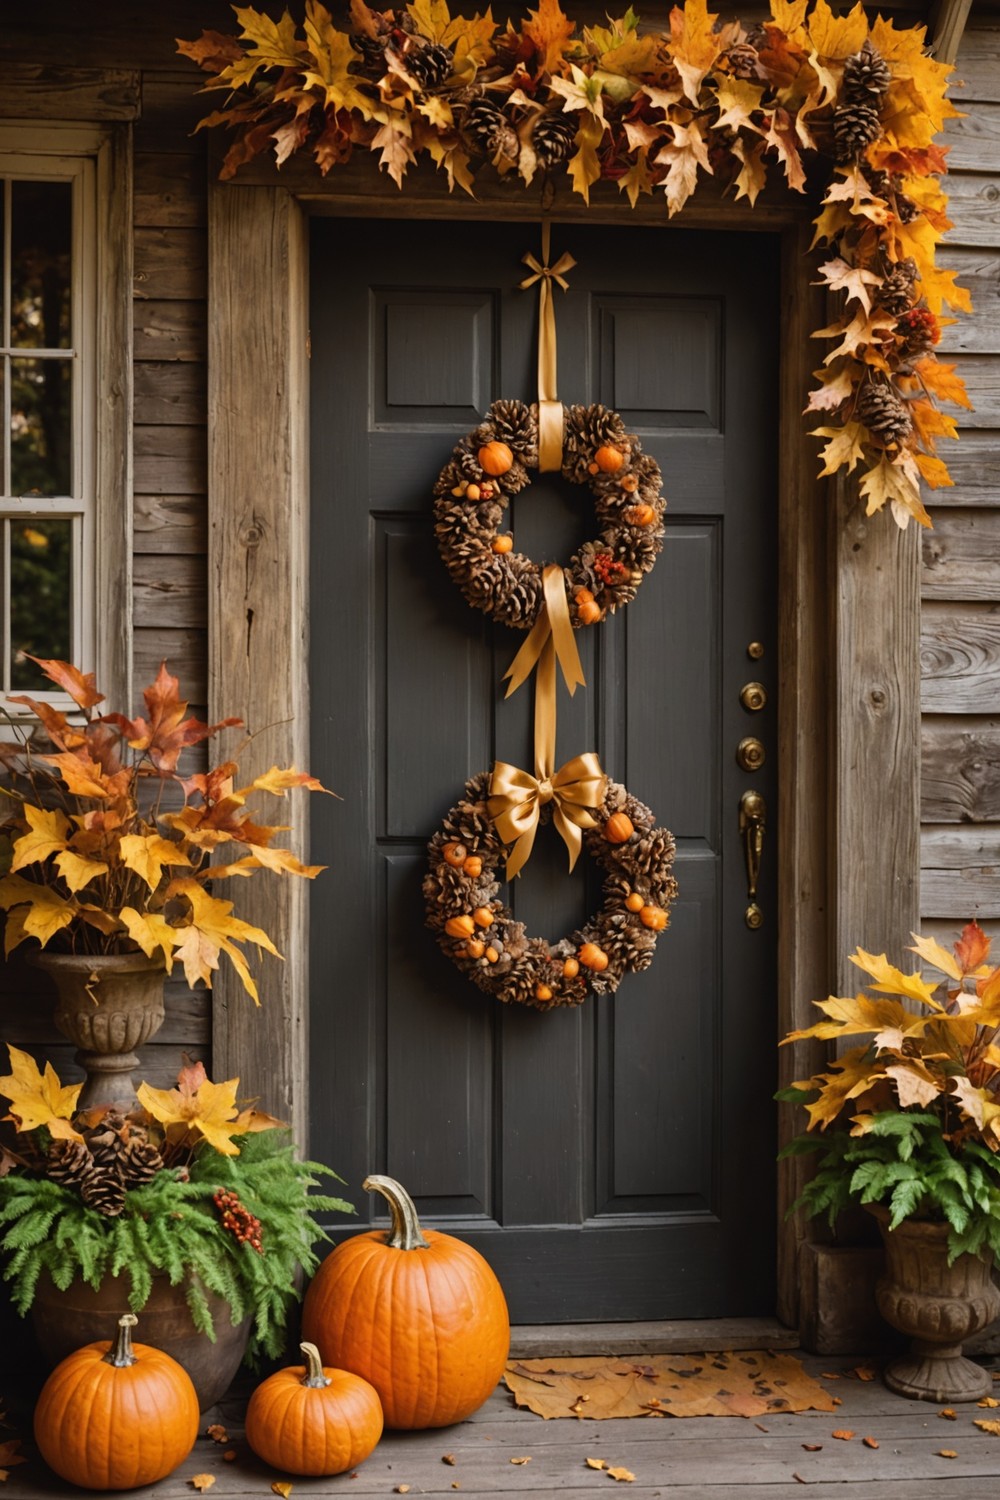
<point>755,650</point>
<point>753,697</point>
<point>750,754</point>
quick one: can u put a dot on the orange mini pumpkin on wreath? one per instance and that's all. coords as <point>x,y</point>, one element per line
<point>498,956</point>
<point>493,462</point>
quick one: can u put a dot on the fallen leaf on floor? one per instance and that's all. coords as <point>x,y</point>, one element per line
<point>988,1401</point>
<point>217,1433</point>
<point>949,1414</point>
<point>870,1442</point>
<point>525,1460</point>
<point>844,1433</point>
<point>829,1375</point>
<point>751,1384</point>
<point>401,1489</point>
<point>946,1453</point>
<point>448,1458</point>
<point>985,1426</point>
<point>202,1482</point>
<point>798,1478</point>
<point>595,1463</point>
<point>836,1401</point>
<point>864,1372</point>
<point>282,1487</point>
<point>623,1475</point>
<point>229,1456</point>
<point>9,1456</point>
<point>813,1447</point>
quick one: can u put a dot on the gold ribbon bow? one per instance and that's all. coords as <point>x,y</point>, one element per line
<point>550,419</point>
<point>553,630</point>
<point>516,797</point>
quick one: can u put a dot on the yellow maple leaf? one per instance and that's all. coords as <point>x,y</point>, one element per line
<point>46,836</point>
<point>210,1109</point>
<point>845,446</point>
<point>938,287</point>
<point>889,980</point>
<point>694,44</point>
<point>849,1077</point>
<point>146,854</point>
<point>933,471</point>
<point>83,776</point>
<point>39,1098</point>
<point>211,929</point>
<point>929,422</point>
<point>78,871</point>
<point>583,166</point>
<point>854,281</point>
<point>549,29</point>
<point>332,55</point>
<point>737,99</point>
<point>682,155</point>
<point>942,380</point>
<point>835,387</point>
<point>914,1082</point>
<point>789,16</point>
<point>752,176</point>
<point>837,36</point>
<point>857,1015</point>
<point>637,179</point>
<point>46,911</point>
<point>272,44</point>
<point>152,933</point>
<point>931,951</point>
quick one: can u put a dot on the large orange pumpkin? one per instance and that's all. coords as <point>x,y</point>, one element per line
<point>417,1313</point>
<point>311,1420</point>
<point>116,1416</point>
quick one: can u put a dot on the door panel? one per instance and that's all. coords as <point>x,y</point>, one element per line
<point>614,1161</point>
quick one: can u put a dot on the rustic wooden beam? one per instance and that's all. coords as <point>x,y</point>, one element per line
<point>257,551</point>
<point>949,24</point>
<point>33,91</point>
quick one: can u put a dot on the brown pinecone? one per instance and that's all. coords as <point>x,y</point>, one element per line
<point>866,76</point>
<point>372,50</point>
<point>906,209</point>
<point>140,1161</point>
<point>743,61</point>
<point>896,292</point>
<point>68,1162</point>
<point>553,137</point>
<point>102,1188</point>
<point>488,130</point>
<point>595,425</point>
<point>429,64</point>
<point>855,126</point>
<point>515,425</point>
<point>879,182</point>
<point>883,413</point>
<point>106,1141</point>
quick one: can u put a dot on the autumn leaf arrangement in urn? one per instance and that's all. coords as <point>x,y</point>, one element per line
<point>908,1117</point>
<point>108,849</point>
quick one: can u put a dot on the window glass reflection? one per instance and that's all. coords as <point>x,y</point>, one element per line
<point>41,426</point>
<point>41,223</point>
<point>41,555</point>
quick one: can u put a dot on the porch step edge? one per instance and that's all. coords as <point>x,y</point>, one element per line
<point>691,1336</point>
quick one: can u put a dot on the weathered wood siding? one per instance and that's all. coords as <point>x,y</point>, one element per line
<point>960,611</point>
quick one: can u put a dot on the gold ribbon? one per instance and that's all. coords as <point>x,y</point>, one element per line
<point>552,627</point>
<point>516,798</point>
<point>550,415</point>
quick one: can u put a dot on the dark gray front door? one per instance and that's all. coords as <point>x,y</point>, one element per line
<point>614,1161</point>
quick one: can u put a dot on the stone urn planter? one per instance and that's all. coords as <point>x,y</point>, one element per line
<point>108,1005</point>
<point>65,1321</point>
<point>938,1306</point>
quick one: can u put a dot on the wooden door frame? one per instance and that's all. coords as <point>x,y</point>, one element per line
<point>848,738</point>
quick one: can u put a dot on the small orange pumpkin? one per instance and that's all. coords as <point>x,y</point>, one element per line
<point>542,992</point>
<point>454,854</point>
<point>640,515</point>
<point>475,947</point>
<point>609,460</point>
<point>634,901</point>
<point>460,927</point>
<point>619,828</point>
<point>582,595</point>
<point>588,612</point>
<point>473,867</point>
<point>571,968</point>
<point>593,957</point>
<point>482,916</point>
<point>492,956</point>
<point>653,917</point>
<point>502,543</point>
<point>417,1313</point>
<point>113,1416</point>
<point>495,458</point>
<point>311,1420</point>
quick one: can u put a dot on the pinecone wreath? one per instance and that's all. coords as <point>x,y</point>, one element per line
<point>884,413</point>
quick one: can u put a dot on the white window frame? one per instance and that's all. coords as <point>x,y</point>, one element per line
<point>98,162</point>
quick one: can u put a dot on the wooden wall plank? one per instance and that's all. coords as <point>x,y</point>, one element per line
<point>960,659</point>
<point>979,271</point>
<point>171,460</point>
<point>974,138</point>
<point>978,65</point>
<point>183,648</point>
<point>39,91</point>
<point>961,556</point>
<point>981,373</point>
<point>258,531</point>
<point>170,393</point>
<point>960,770</point>
<point>974,206</point>
<point>171,263</point>
<point>170,330</point>
<point>170,188</point>
<point>169,591</point>
<point>960,872</point>
<point>175,524</point>
<point>972,463</point>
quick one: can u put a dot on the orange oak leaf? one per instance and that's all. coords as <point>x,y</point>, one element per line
<point>212,51</point>
<point>167,732</point>
<point>972,947</point>
<point>942,380</point>
<point>550,30</point>
<point>79,685</point>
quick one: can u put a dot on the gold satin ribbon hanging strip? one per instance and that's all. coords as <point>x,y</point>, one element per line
<point>550,418</point>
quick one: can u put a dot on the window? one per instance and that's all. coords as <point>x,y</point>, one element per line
<point>47,380</point>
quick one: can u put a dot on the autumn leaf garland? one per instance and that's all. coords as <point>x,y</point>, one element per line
<point>653,110</point>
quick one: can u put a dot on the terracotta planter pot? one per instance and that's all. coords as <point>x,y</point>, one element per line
<point>108,1005</point>
<point>65,1321</point>
<point>937,1306</point>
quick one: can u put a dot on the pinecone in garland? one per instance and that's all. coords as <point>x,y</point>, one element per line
<point>553,137</point>
<point>743,62</point>
<point>68,1162</point>
<point>102,1188</point>
<point>105,1141</point>
<point>896,292</point>
<point>883,413</point>
<point>515,426</point>
<point>866,76</point>
<point>488,130</point>
<point>428,64</point>
<point>140,1160</point>
<point>855,126</point>
<point>372,50</point>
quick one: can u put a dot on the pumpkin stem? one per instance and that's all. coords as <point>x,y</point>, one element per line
<point>405,1233</point>
<point>121,1354</point>
<point>314,1377</point>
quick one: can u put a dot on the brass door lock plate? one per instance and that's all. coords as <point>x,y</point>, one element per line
<point>750,754</point>
<point>753,697</point>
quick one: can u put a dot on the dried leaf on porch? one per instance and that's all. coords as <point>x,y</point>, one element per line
<point>747,1384</point>
<point>946,1453</point>
<point>620,1474</point>
<point>202,1482</point>
<point>985,1426</point>
<point>9,1456</point>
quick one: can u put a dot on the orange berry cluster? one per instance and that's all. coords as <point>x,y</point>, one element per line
<point>238,1219</point>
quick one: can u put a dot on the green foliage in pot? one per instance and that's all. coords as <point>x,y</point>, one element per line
<point>910,1116</point>
<point>164,1188</point>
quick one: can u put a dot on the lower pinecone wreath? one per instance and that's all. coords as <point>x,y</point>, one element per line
<point>482,938</point>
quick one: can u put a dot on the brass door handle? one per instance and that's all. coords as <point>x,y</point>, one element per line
<point>753,822</point>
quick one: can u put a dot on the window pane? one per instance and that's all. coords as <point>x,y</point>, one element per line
<point>40,574</point>
<point>40,423</point>
<point>41,223</point>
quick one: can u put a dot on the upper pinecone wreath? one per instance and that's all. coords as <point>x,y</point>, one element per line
<point>492,463</point>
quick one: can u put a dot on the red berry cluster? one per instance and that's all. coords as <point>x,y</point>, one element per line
<point>608,569</point>
<point>238,1219</point>
<point>918,325</point>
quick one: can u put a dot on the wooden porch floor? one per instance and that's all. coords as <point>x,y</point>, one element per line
<point>712,1458</point>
